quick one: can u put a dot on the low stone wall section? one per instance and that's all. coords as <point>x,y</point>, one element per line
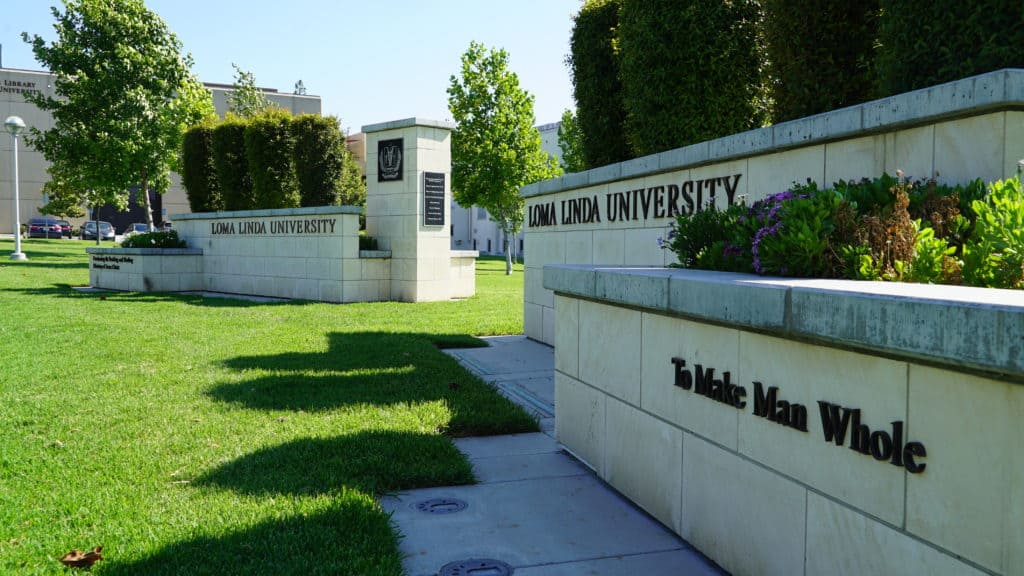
<point>146,269</point>
<point>928,478</point>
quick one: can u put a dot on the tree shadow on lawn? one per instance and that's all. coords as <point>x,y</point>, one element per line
<point>353,536</point>
<point>375,462</point>
<point>376,368</point>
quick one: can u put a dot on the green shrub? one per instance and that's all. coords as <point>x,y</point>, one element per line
<point>994,255</point>
<point>691,71</point>
<point>597,87</point>
<point>269,150</point>
<point>367,242</point>
<point>319,155</point>
<point>928,42</point>
<point>168,239</point>
<point>820,54</point>
<point>230,162</point>
<point>199,171</point>
<point>699,240</point>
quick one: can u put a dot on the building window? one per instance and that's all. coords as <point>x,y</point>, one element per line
<point>488,244</point>
<point>481,214</point>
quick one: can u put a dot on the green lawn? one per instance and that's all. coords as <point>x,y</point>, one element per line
<point>191,435</point>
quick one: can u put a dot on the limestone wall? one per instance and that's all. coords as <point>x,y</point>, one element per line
<point>615,214</point>
<point>707,398</point>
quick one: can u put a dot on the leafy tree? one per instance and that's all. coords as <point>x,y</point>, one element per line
<point>495,148</point>
<point>246,100</point>
<point>570,140</point>
<point>123,96</point>
<point>597,85</point>
<point>64,200</point>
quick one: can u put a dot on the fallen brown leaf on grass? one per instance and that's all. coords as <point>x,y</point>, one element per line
<point>79,559</point>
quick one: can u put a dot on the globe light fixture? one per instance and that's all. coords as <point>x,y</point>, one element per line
<point>14,126</point>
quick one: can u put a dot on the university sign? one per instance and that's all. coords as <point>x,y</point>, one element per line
<point>667,201</point>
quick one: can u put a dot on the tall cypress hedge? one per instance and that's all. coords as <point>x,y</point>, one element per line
<point>821,54</point>
<point>269,148</point>
<point>597,88</point>
<point>232,167</point>
<point>928,42</point>
<point>691,71</point>
<point>319,155</point>
<point>198,171</point>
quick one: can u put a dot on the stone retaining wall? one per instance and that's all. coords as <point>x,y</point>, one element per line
<point>716,402</point>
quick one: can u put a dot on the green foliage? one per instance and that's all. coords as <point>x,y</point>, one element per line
<point>269,146</point>
<point>495,148</point>
<point>122,90</point>
<point>232,167</point>
<point>246,100</point>
<point>64,200</point>
<point>199,171</point>
<point>597,85</point>
<point>700,240</point>
<point>994,255</point>
<point>570,141</point>
<point>320,162</point>
<point>159,239</point>
<point>932,256</point>
<point>795,237</point>
<point>928,42</point>
<point>820,54</point>
<point>691,71</point>
<point>367,242</point>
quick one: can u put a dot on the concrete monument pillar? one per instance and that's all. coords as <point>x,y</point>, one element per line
<point>408,204</point>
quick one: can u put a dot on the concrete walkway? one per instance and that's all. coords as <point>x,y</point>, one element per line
<point>536,510</point>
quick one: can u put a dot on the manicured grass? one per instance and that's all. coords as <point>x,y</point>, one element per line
<point>192,435</point>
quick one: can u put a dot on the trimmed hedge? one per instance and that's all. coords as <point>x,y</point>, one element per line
<point>928,42</point>
<point>597,88</point>
<point>198,170</point>
<point>691,71</point>
<point>232,167</point>
<point>269,148</point>
<point>319,151</point>
<point>820,54</point>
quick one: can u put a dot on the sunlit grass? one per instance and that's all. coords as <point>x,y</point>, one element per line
<point>192,435</point>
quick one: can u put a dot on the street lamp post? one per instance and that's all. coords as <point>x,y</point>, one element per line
<point>15,126</point>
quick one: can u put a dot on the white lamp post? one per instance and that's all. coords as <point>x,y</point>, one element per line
<point>15,126</point>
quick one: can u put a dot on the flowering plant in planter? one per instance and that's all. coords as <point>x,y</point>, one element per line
<point>889,228</point>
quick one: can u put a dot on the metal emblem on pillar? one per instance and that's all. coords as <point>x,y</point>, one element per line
<point>389,160</point>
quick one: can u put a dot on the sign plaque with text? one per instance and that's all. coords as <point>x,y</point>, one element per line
<point>389,160</point>
<point>433,198</point>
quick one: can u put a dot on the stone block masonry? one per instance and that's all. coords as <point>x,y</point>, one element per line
<point>614,215</point>
<point>801,426</point>
<point>313,253</point>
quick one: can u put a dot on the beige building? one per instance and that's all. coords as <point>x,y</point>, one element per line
<point>15,84</point>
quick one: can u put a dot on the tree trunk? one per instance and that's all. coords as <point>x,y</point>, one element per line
<point>144,190</point>
<point>508,255</point>
<point>96,221</point>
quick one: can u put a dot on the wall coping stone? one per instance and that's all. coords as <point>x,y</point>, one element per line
<point>147,251</point>
<point>999,90</point>
<point>978,329</point>
<point>375,253</point>
<point>465,253</point>
<point>307,211</point>
<point>407,123</point>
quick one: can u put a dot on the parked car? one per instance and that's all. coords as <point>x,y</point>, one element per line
<point>65,228</point>
<point>136,228</point>
<point>89,231</point>
<point>166,227</point>
<point>44,228</point>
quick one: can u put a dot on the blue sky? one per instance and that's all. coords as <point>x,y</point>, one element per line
<point>371,61</point>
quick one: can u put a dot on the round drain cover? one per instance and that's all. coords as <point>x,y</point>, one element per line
<point>476,567</point>
<point>441,505</point>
